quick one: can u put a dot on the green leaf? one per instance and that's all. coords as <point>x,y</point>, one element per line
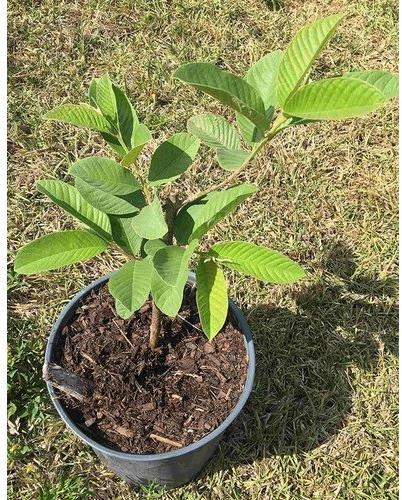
<point>262,76</point>
<point>259,262</point>
<point>117,109</point>
<point>130,286</point>
<point>111,139</point>
<point>217,133</point>
<point>168,262</point>
<point>232,159</point>
<point>385,82</point>
<point>124,235</point>
<point>150,222</point>
<point>197,217</point>
<point>109,203</point>
<point>229,89</point>
<point>92,92</point>
<point>107,185</point>
<point>105,175</point>
<point>82,115</point>
<point>334,99</point>
<point>214,131</point>
<point>294,121</point>
<point>121,311</point>
<point>127,120</point>
<point>301,54</point>
<point>141,136</point>
<point>212,297</point>
<point>70,199</point>
<point>57,250</point>
<point>105,98</point>
<point>172,158</point>
<point>170,276</point>
<point>152,246</point>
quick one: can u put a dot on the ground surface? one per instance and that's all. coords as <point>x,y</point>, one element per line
<point>321,422</point>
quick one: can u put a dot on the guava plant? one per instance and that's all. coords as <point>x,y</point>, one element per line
<point>121,204</point>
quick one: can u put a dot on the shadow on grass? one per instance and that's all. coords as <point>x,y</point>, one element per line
<point>302,394</point>
<point>274,5</point>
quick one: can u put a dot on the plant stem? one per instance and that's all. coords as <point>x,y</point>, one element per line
<point>171,208</point>
<point>155,330</point>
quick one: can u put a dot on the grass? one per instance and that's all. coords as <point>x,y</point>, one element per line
<point>322,419</point>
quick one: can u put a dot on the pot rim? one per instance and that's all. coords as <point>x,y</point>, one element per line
<point>243,326</point>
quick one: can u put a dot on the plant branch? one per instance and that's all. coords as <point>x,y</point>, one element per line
<point>276,128</point>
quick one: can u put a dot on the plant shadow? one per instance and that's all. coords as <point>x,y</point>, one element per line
<point>274,5</point>
<point>303,391</point>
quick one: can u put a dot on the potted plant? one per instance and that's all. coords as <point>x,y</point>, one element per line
<point>134,364</point>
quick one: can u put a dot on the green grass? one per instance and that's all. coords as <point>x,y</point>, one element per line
<point>322,419</point>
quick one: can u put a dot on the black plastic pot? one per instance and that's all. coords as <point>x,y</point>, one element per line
<point>170,469</point>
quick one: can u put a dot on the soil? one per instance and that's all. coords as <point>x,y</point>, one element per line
<point>142,401</point>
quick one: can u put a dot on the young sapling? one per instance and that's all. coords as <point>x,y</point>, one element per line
<point>123,204</point>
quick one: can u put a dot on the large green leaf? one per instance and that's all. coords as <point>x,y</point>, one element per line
<point>334,99</point>
<point>212,297</point>
<point>384,81</point>
<point>260,262</point>
<point>57,250</point>
<point>141,136</point>
<point>69,198</point>
<point>301,54</point>
<point>168,262</point>
<point>229,89</point>
<point>130,286</point>
<point>105,175</point>
<point>169,277</point>
<point>82,115</point>
<point>196,218</point>
<point>217,133</point>
<point>109,203</point>
<point>107,185</point>
<point>172,158</point>
<point>150,222</point>
<point>124,235</point>
<point>262,76</point>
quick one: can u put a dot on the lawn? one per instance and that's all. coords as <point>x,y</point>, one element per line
<point>322,421</point>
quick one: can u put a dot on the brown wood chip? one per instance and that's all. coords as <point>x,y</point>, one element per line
<point>208,348</point>
<point>149,406</point>
<point>166,440</point>
<point>123,431</point>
